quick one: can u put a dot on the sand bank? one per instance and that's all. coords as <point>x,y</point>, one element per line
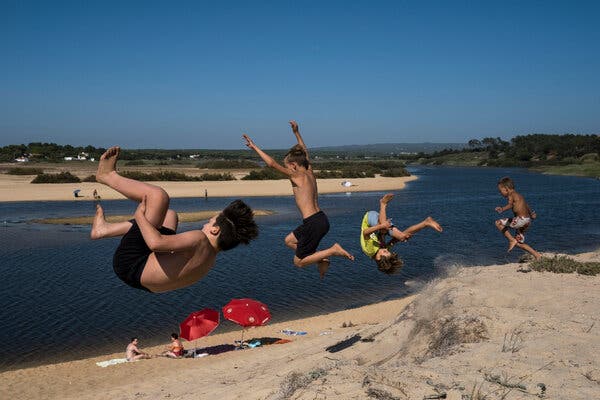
<point>19,188</point>
<point>490,332</point>
<point>183,217</point>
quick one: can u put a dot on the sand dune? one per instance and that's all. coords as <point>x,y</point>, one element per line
<point>481,332</point>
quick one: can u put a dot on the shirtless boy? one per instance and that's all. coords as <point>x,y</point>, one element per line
<point>521,220</point>
<point>151,255</point>
<point>375,228</point>
<point>133,353</point>
<point>305,239</point>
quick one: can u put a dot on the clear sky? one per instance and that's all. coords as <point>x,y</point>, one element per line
<point>198,74</point>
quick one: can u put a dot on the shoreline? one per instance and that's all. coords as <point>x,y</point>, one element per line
<point>18,188</point>
<point>450,336</point>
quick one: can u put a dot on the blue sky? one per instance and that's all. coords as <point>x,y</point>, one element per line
<point>198,74</point>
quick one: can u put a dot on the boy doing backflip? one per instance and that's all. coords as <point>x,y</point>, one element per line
<point>376,226</point>
<point>151,255</point>
<point>305,239</point>
<point>521,220</point>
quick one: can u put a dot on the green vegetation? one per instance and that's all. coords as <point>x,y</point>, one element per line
<point>90,178</point>
<point>63,177</point>
<point>25,171</point>
<point>175,176</point>
<point>228,164</point>
<point>264,174</point>
<point>564,154</point>
<point>565,265</point>
<point>359,169</point>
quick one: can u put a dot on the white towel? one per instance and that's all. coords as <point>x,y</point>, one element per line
<point>114,361</point>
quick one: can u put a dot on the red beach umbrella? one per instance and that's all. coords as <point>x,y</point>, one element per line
<point>199,324</point>
<point>246,312</point>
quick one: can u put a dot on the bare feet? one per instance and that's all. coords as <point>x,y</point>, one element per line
<point>107,164</point>
<point>340,252</point>
<point>99,224</point>
<point>386,198</point>
<point>432,223</point>
<point>323,266</point>
<point>511,244</point>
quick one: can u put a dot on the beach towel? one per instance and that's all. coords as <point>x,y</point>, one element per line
<point>114,361</point>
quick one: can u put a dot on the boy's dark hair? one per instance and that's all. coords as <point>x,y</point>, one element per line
<point>297,154</point>
<point>133,338</point>
<point>236,224</point>
<point>506,182</point>
<point>389,265</point>
<point>174,335</point>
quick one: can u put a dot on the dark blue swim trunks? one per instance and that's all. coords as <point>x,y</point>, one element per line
<point>310,233</point>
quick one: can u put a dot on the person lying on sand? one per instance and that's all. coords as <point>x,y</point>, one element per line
<point>151,255</point>
<point>374,228</point>
<point>305,239</point>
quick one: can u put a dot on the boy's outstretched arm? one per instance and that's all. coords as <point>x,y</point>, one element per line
<point>296,131</point>
<point>266,158</point>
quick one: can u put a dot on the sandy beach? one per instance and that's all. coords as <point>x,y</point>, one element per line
<point>19,188</point>
<point>480,332</point>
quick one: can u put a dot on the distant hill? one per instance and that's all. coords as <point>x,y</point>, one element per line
<point>392,148</point>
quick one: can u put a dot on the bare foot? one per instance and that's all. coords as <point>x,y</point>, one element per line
<point>511,244</point>
<point>386,198</point>
<point>99,224</point>
<point>432,223</point>
<point>108,163</point>
<point>323,266</point>
<point>339,251</point>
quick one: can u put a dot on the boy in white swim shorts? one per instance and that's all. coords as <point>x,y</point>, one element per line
<point>521,220</point>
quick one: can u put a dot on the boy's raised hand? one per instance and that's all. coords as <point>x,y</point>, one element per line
<point>249,141</point>
<point>294,126</point>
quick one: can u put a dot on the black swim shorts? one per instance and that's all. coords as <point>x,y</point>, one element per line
<point>131,256</point>
<point>310,233</point>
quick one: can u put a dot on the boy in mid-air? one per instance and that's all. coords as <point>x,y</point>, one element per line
<point>374,228</point>
<point>305,239</point>
<point>521,220</point>
<point>151,256</point>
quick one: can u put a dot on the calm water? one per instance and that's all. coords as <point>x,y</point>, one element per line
<point>60,299</point>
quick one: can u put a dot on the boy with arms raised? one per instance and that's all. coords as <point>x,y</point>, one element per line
<point>305,239</point>
<point>151,255</point>
<point>521,220</point>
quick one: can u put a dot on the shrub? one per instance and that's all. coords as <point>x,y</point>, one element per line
<point>217,177</point>
<point>63,177</point>
<point>264,174</point>
<point>228,164</point>
<point>91,178</point>
<point>160,176</point>
<point>565,265</point>
<point>395,172</point>
<point>135,162</point>
<point>25,171</point>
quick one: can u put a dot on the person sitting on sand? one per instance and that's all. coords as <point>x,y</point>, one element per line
<point>374,228</point>
<point>151,255</point>
<point>305,239</point>
<point>133,353</point>
<point>523,215</point>
<point>176,350</point>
